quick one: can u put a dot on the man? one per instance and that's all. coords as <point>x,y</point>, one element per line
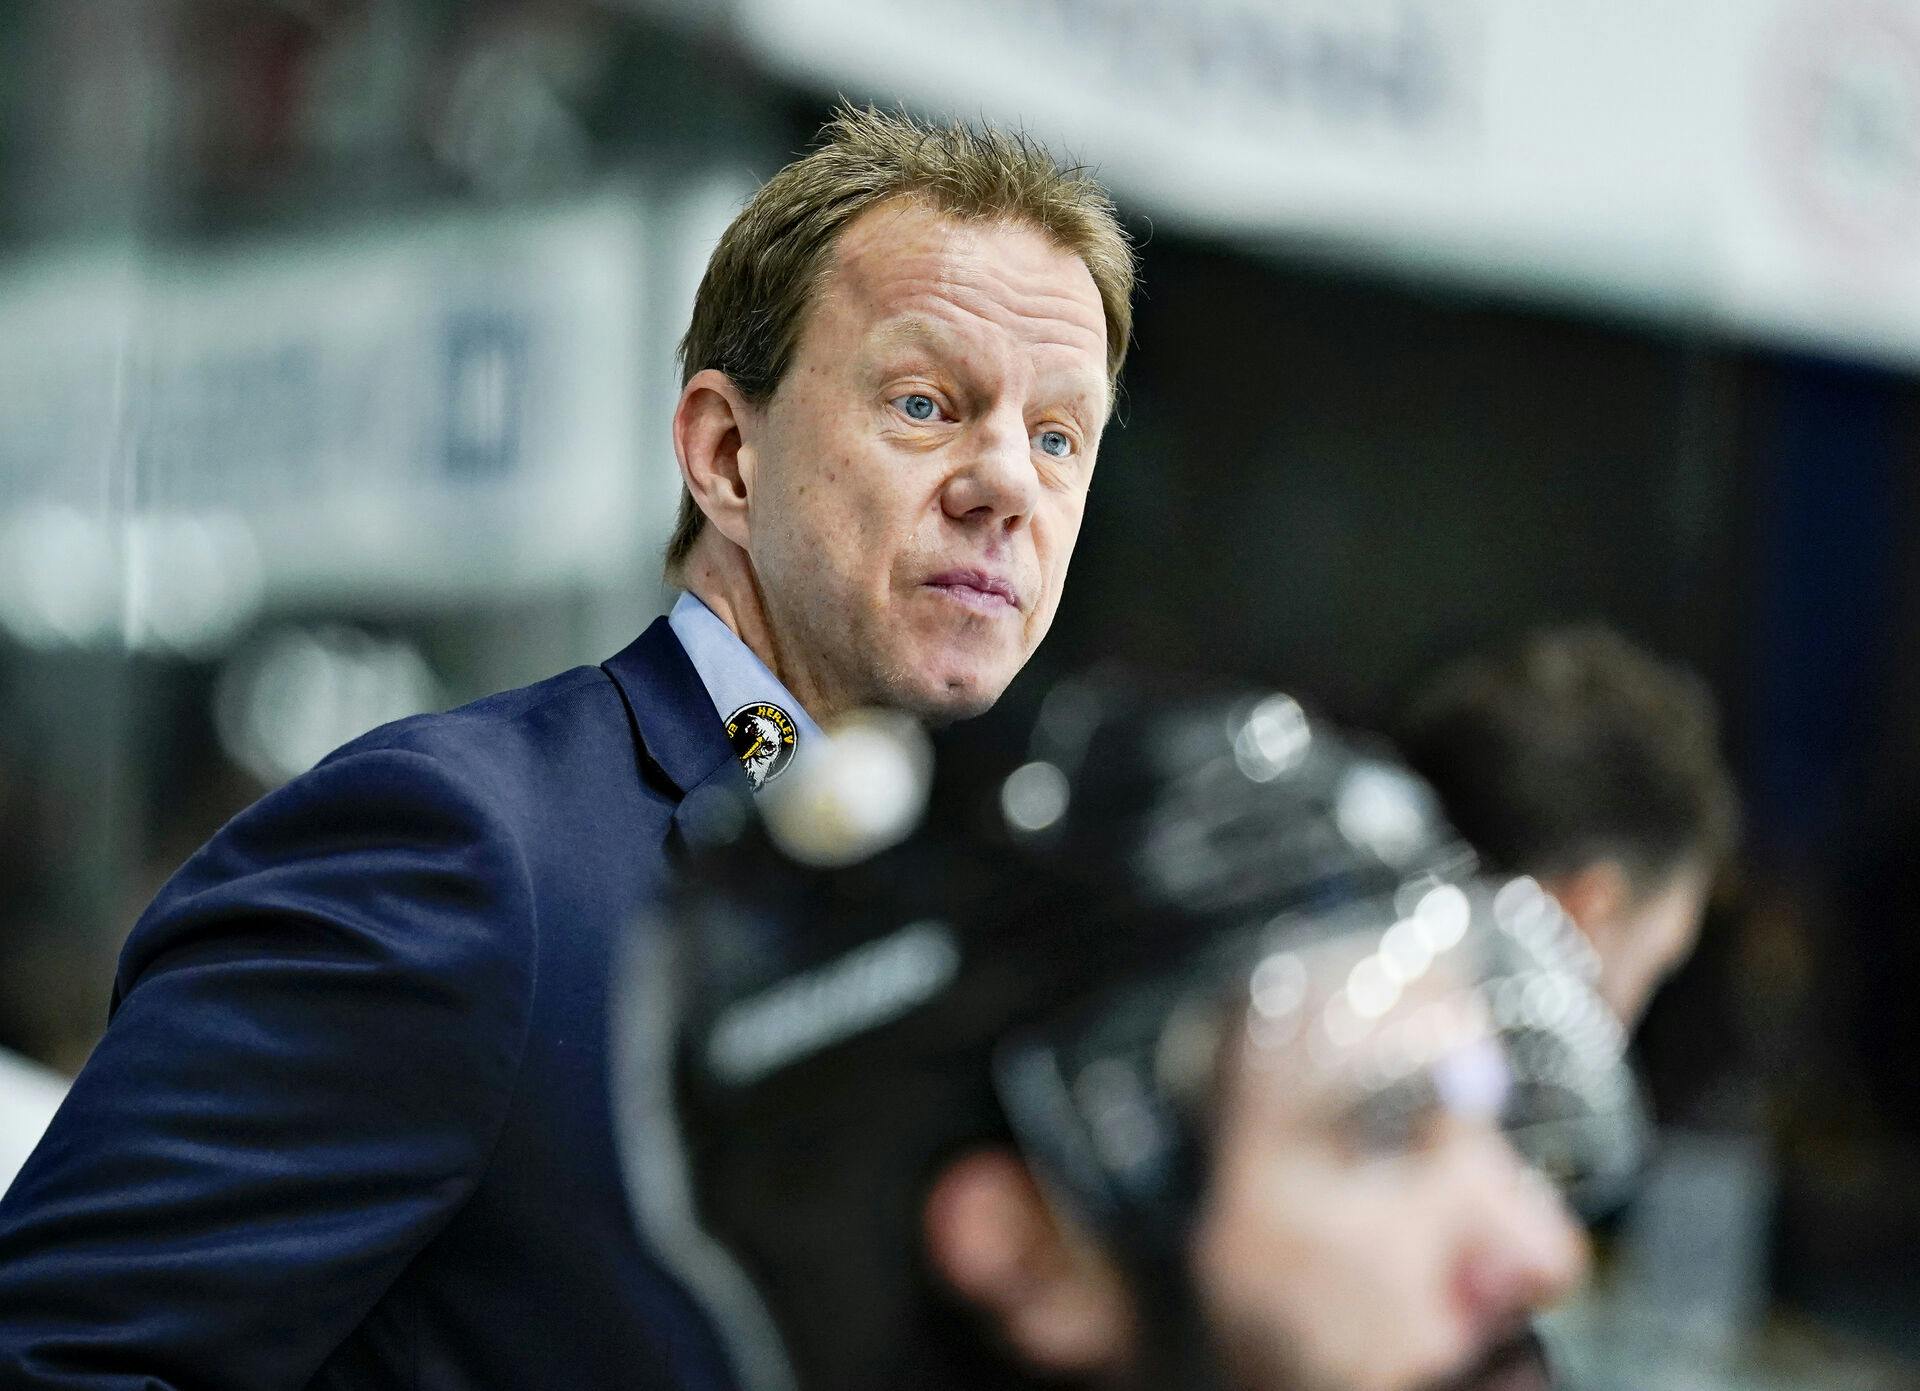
<point>1579,759</point>
<point>349,1125</point>
<point>1175,1051</point>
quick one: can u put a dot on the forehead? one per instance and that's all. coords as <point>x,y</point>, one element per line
<point>1316,1065</point>
<point>906,274</point>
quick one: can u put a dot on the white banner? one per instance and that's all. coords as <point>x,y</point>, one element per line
<point>1817,195</point>
<point>1751,164</point>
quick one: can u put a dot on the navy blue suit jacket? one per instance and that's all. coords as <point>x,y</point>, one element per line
<point>350,1123</point>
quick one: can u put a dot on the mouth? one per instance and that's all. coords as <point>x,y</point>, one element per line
<point>976,590</point>
<point>1516,1364</point>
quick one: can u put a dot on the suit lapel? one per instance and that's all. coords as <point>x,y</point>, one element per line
<point>673,719</point>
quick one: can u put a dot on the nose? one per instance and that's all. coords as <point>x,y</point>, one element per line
<point>1525,1253</point>
<point>996,485</point>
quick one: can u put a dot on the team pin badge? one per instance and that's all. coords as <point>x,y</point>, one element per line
<point>763,739</point>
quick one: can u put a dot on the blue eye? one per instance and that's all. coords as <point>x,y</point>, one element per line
<point>1055,443</point>
<point>916,406</point>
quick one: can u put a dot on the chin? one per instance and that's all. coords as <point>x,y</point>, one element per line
<point>958,692</point>
<point>958,700</point>
<point>941,675</point>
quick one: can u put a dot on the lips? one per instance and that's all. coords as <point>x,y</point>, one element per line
<point>977,589</point>
<point>1515,1364</point>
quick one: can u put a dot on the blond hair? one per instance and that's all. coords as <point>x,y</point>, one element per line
<point>767,270</point>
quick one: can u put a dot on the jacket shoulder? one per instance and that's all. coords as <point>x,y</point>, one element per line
<point>525,712</point>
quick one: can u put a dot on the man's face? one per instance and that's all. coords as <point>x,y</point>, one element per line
<point>917,481</point>
<point>1656,932</point>
<point>1362,1240</point>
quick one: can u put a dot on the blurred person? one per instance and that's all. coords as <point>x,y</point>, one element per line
<point>1578,758</point>
<point>1183,1050</point>
<point>29,1095</point>
<point>349,1124</point>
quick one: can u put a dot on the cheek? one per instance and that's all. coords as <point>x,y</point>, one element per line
<point>1336,1248</point>
<point>843,509</point>
<point>1061,525</point>
<point>1683,928</point>
<point>1280,1228</point>
<point>813,451</point>
<point>1656,950</point>
<point>1295,1283</point>
<point>1054,533</point>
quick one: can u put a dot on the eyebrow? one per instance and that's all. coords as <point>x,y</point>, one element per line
<point>911,331</point>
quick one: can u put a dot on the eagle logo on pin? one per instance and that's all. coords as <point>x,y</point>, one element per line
<point>763,738</point>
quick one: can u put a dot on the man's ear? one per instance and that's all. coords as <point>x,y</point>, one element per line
<point>710,439</point>
<point>1596,896</point>
<point>993,1238</point>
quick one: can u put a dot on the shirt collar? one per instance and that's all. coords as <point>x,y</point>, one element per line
<point>738,682</point>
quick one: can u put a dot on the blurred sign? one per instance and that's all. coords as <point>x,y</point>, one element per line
<point>427,410</point>
<point>1751,163</point>
<point>294,693</point>
<point>1819,201</point>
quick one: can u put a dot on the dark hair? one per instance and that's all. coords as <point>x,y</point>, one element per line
<point>767,270</point>
<point>1574,746</point>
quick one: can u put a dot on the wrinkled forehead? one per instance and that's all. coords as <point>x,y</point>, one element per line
<point>905,274</point>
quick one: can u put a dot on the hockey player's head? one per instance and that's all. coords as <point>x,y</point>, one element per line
<point>1174,1043</point>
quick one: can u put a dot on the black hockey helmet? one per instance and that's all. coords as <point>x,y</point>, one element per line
<point>1044,935</point>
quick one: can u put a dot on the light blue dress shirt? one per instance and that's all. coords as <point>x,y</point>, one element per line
<point>734,677</point>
